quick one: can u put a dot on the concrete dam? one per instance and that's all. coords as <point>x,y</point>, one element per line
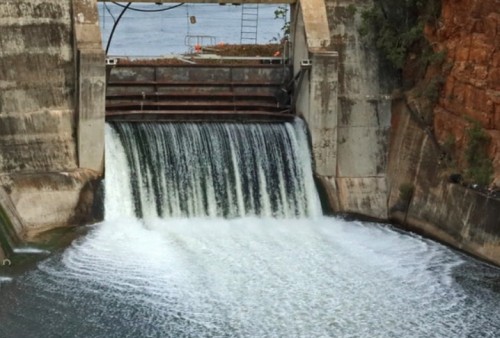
<point>213,191</point>
<point>62,125</point>
<point>53,113</point>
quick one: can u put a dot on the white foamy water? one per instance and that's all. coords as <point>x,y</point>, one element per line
<point>118,191</point>
<point>246,276</point>
<point>297,275</point>
<point>250,277</point>
<point>4,279</point>
<point>30,250</point>
<point>209,170</point>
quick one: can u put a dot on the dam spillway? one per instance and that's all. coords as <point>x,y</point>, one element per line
<point>280,271</point>
<point>240,270</point>
<point>211,170</point>
<point>157,90</point>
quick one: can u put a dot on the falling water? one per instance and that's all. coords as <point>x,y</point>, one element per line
<point>215,231</point>
<point>210,169</point>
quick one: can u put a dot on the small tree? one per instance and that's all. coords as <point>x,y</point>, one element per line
<point>281,13</point>
<point>397,25</point>
<point>480,167</point>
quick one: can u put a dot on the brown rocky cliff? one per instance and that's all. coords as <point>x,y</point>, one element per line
<point>469,32</point>
<point>421,197</point>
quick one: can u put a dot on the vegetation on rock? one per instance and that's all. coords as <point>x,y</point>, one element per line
<point>397,27</point>
<point>480,167</point>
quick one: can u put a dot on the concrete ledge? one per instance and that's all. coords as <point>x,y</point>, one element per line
<point>45,201</point>
<point>463,218</point>
<point>316,24</point>
<point>365,196</point>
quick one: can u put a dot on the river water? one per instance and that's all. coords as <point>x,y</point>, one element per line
<point>252,277</point>
<point>260,275</point>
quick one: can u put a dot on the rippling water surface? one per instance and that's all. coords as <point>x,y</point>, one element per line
<point>252,277</point>
<point>169,32</point>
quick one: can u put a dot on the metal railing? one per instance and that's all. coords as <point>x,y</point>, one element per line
<point>197,41</point>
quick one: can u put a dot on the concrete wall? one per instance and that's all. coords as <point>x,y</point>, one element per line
<point>346,106</point>
<point>352,117</point>
<point>36,86</point>
<point>52,82</point>
<point>364,115</point>
<point>317,86</point>
<point>10,225</point>
<point>464,218</point>
<point>90,85</point>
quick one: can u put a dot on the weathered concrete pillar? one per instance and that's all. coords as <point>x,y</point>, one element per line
<point>91,85</point>
<point>322,113</point>
<point>364,115</point>
<point>36,86</point>
<point>345,105</point>
<point>51,111</point>
<point>317,88</point>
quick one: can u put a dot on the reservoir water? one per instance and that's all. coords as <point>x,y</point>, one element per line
<point>170,32</point>
<point>244,253</point>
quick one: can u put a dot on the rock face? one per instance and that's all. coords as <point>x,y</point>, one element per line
<point>421,196</point>
<point>469,33</point>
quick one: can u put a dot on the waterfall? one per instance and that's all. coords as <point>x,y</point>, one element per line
<point>178,170</point>
<point>262,276</point>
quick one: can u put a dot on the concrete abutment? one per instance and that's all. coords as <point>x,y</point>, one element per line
<point>51,109</point>
<point>346,106</point>
<point>366,147</point>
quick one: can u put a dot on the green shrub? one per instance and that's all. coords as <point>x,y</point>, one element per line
<point>351,10</point>
<point>406,191</point>
<point>397,25</point>
<point>281,13</point>
<point>433,89</point>
<point>480,166</point>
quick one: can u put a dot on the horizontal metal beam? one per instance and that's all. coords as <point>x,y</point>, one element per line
<point>197,116</point>
<point>215,1</point>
